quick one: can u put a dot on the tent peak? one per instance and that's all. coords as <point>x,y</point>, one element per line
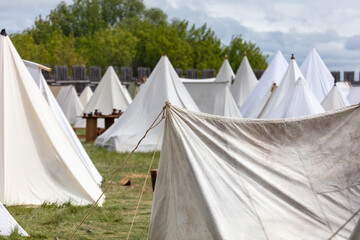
<point>245,54</point>
<point>226,56</point>
<point>292,57</point>
<point>3,32</point>
<point>164,54</point>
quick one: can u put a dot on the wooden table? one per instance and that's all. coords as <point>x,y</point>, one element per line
<point>91,125</point>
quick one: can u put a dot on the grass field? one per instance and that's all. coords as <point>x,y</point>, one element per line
<point>112,220</point>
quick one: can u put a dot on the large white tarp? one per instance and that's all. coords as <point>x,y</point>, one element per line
<point>212,97</point>
<point>162,85</point>
<point>70,103</point>
<point>8,224</point>
<point>335,99</point>
<point>245,81</point>
<point>85,96</point>
<point>299,101</point>
<point>317,74</point>
<point>38,163</point>
<point>226,178</point>
<point>288,81</point>
<point>260,94</point>
<point>40,81</point>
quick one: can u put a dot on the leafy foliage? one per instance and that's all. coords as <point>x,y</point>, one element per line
<point>126,33</point>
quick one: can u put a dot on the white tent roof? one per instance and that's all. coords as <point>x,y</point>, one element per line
<point>40,81</point>
<point>292,74</point>
<point>298,102</point>
<point>245,81</point>
<point>162,85</point>
<point>225,178</point>
<point>273,74</point>
<point>8,224</point>
<point>354,95</point>
<point>109,95</point>
<point>317,74</point>
<point>212,97</point>
<point>225,74</point>
<point>70,103</point>
<point>85,96</point>
<point>38,162</point>
<point>334,100</point>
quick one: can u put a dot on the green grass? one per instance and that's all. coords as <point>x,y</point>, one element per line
<point>112,220</point>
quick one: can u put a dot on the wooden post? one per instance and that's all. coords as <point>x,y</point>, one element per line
<point>153,178</point>
<point>91,127</point>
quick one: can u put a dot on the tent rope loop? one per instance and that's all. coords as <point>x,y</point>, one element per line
<point>155,123</point>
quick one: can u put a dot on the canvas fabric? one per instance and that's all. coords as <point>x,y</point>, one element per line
<point>70,103</point>
<point>38,163</point>
<point>8,224</point>
<point>335,99</point>
<point>225,73</point>
<point>354,95</point>
<point>226,178</point>
<point>85,96</point>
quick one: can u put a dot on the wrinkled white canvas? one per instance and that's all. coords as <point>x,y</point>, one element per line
<point>162,85</point>
<point>226,178</point>
<point>8,224</point>
<point>40,81</point>
<point>260,94</point>
<point>38,163</point>
<point>70,103</point>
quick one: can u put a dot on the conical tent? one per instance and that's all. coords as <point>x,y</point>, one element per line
<point>259,95</point>
<point>40,81</point>
<point>38,163</point>
<point>298,102</point>
<point>162,85</point>
<point>85,96</point>
<point>8,224</point>
<point>334,100</point>
<point>212,97</point>
<point>226,178</point>
<point>317,74</point>
<point>109,95</point>
<point>245,81</point>
<point>225,74</point>
<point>289,79</point>
<point>70,103</point>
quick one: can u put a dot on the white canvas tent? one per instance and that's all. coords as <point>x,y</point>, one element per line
<point>38,163</point>
<point>260,94</point>
<point>70,103</point>
<point>40,81</point>
<point>317,75</point>
<point>245,81</point>
<point>225,178</point>
<point>298,102</point>
<point>225,74</point>
<point>162,85</point>
<point>335,99</point>
<point>354,95</point>
<point>85,96</point>
<point>288,81</point>
<point>212,97</point>
<point>8,224</point>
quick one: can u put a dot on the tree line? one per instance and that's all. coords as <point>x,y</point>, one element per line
<point>127,33</point>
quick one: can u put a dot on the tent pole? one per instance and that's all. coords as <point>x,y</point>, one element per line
<point>274,86</point>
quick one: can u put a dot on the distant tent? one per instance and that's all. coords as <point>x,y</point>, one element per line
<point>260,94</point>
<point>213,97</point>
<point>317,75</point>
<point>334,100</point>
<point>225,74</point>
<point>55,90</point>
<point>40,81</point>
<point>245,81</point>
<point>162,85</point>
<point>289,79</point>
<point>354,95</point>
<point>109,94</point>
<point>8,224</point>
<point>70,103</point>
<point>222,178</point>
<point>38,162</point>
<point>298,102</point>
<point>85,96</point>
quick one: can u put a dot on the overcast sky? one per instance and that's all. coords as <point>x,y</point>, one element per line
<point>292,26</point>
